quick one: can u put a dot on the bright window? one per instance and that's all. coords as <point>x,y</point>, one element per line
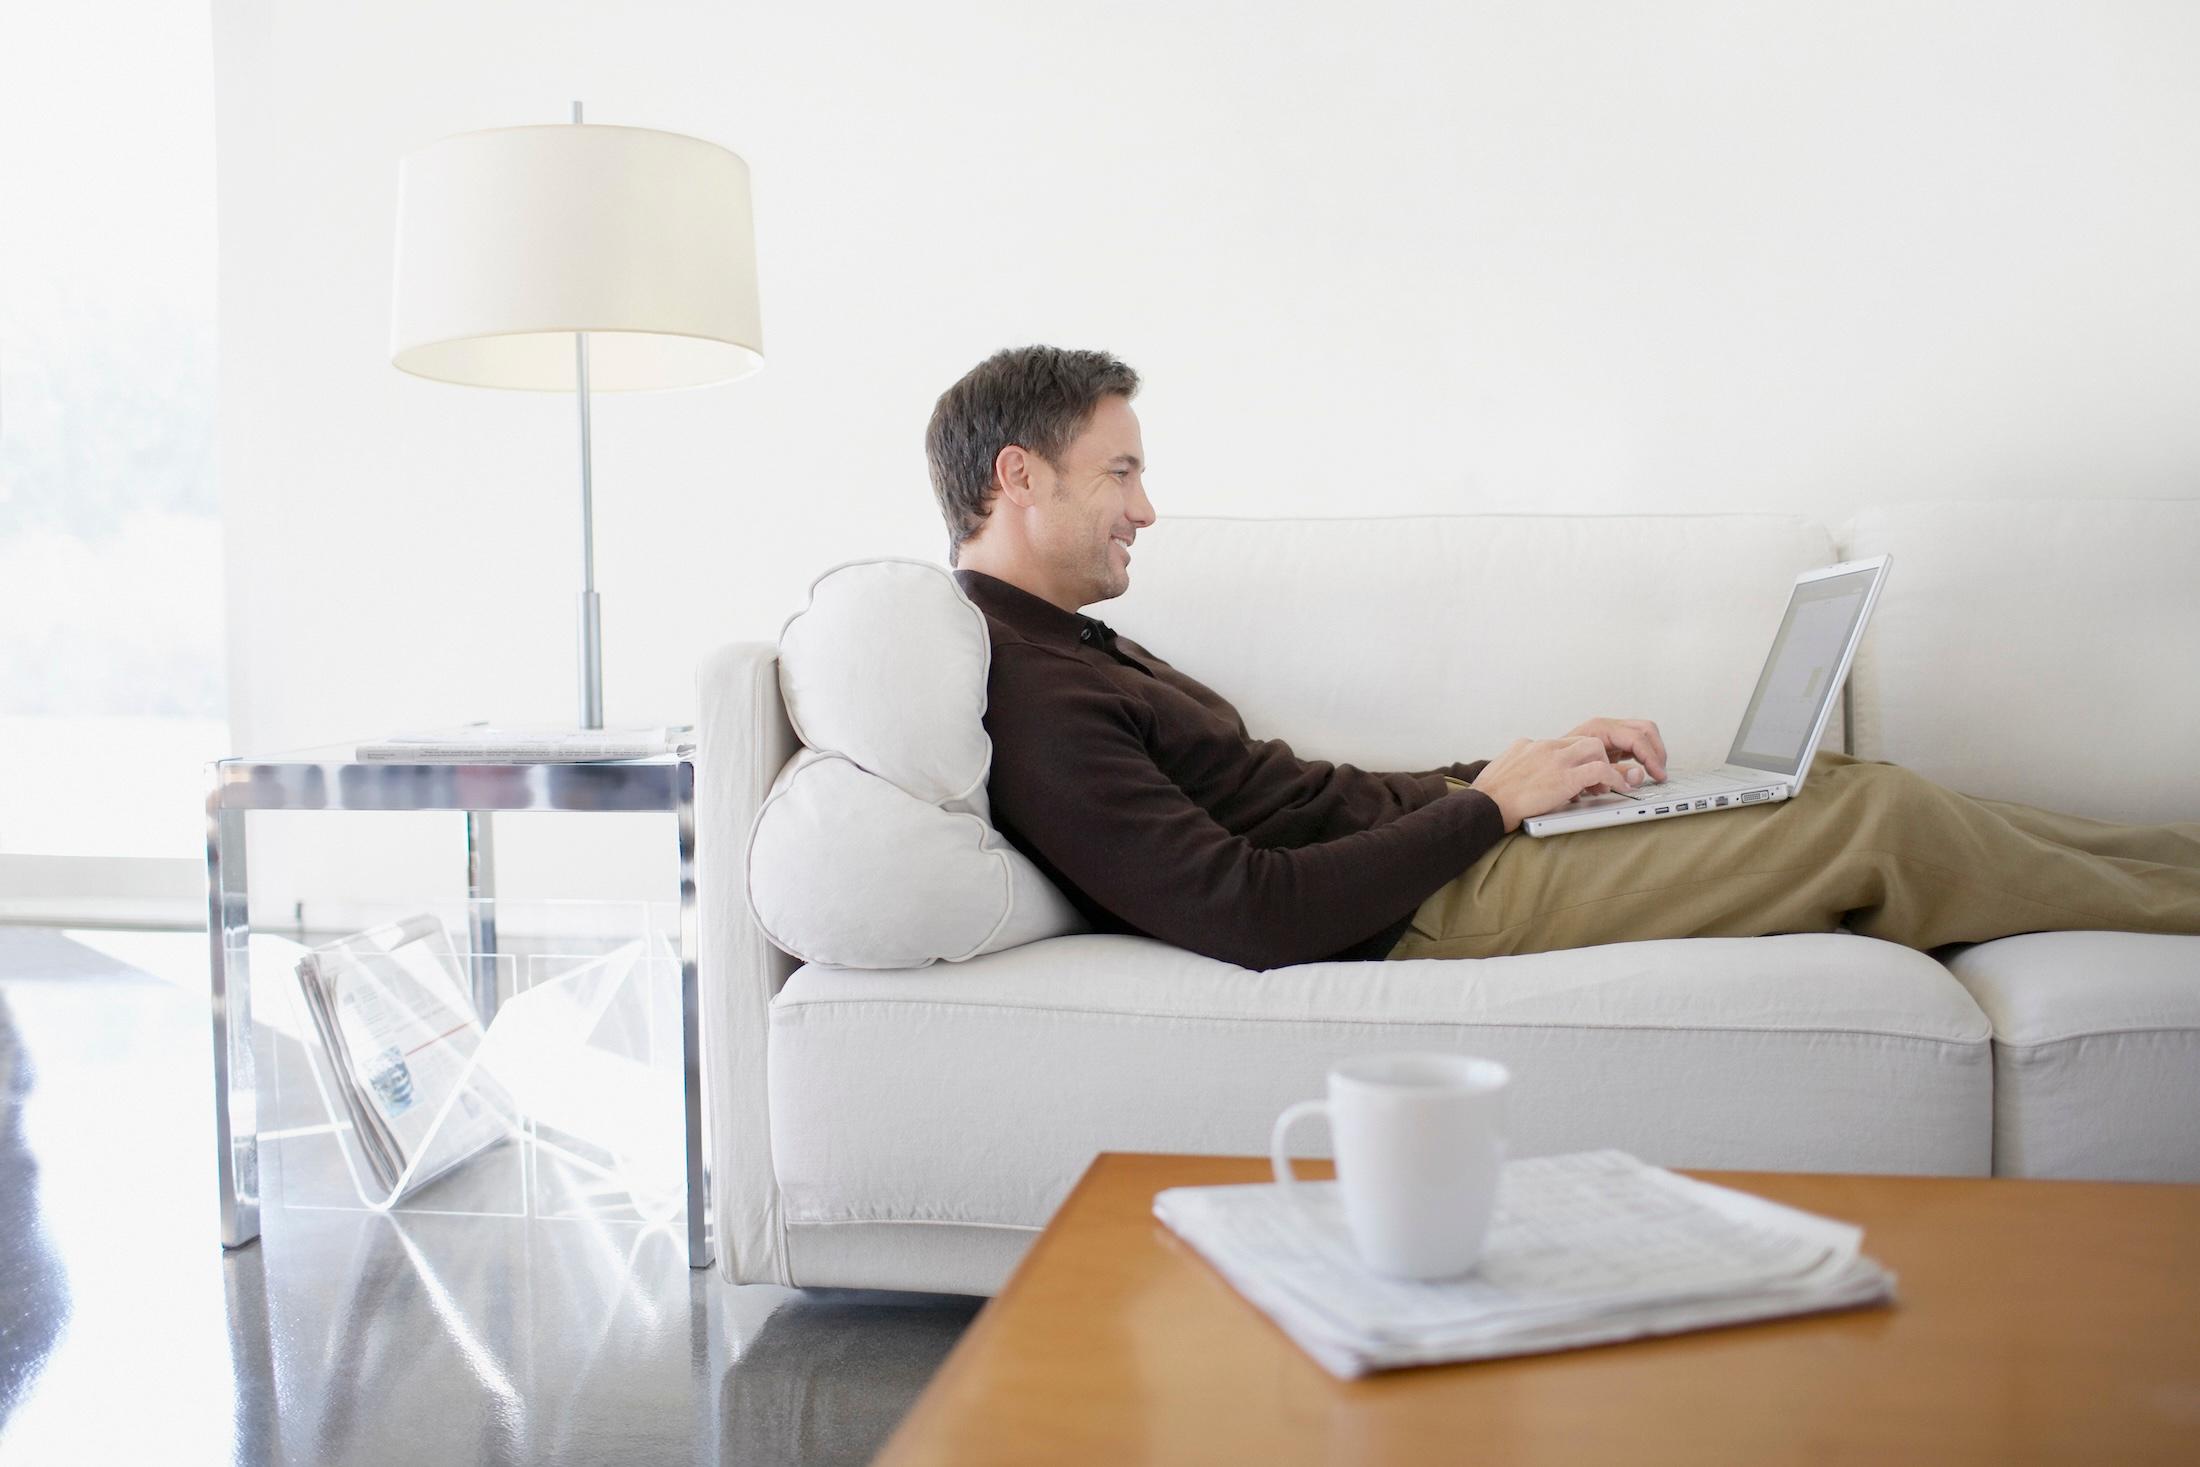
<point>111,658</point>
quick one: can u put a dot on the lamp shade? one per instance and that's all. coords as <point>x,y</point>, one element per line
<point>511,240</point>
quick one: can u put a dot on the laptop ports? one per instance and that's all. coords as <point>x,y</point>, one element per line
<point>1722,799</point>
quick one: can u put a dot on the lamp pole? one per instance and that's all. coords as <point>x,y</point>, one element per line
<point>591,608</point>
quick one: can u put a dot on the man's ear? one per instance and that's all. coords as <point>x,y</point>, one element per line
<point>1012,477</point>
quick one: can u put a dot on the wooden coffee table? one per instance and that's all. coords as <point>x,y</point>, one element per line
<point>2034,1322</point>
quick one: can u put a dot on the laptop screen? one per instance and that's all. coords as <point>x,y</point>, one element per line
<point>1798,681</point>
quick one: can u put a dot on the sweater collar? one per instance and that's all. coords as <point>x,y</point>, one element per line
<point>1034,616</point>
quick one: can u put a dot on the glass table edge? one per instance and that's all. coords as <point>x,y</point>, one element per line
<point>332,756</point>
<point>334,778</point>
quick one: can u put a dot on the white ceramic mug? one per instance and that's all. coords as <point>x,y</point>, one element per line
<point>1419,1140</point>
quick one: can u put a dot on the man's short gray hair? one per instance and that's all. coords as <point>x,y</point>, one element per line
<point>1036,397</point>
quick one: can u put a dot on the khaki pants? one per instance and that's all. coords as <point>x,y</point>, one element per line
<point>1869,844</point>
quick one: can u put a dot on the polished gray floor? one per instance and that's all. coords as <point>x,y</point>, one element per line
<point>127,1334</point>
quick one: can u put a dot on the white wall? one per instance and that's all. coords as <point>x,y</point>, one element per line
<point>1386,257</point>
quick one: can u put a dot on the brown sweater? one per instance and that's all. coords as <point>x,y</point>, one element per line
<point>1140,793</point>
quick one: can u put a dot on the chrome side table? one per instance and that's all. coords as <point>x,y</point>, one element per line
<point>334,779</point>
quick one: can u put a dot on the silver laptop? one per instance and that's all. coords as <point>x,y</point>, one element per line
<point>1826,613</point>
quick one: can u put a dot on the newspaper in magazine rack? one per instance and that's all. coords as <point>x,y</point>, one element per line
<point>416,1087</point>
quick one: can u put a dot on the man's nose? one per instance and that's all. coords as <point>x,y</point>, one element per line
<point>1140,508</point>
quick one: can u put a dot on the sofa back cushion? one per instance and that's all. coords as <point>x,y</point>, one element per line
<point>2046,652</point>
<point>873,849</point>
<point>1409,642</point>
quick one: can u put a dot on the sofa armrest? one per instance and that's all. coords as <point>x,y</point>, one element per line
<point>744,740</point>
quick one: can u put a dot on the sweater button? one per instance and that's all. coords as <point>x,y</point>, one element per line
<point>1085,635</point>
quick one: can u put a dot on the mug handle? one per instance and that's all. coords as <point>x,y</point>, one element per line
<point>1276,1152</point>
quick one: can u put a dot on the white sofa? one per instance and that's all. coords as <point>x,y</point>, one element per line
<point>914,1129</point>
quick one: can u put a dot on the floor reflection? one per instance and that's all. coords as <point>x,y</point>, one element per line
<point>351,1336</point>
<point>827,1379</point>
<point>34,1289</point>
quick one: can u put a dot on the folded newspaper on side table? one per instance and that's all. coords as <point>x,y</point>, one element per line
<point>487,744</point>
<point>1583,1250</point>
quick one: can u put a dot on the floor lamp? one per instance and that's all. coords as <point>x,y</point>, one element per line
<point>575,258</point>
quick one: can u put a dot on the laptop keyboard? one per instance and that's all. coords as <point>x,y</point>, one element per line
<point>1677,785</point>
<point>1677,789</point>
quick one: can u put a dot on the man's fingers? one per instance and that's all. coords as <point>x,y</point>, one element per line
<point>1640,737</point>
<point>1593,768</point>
<point>1598,760</point>
<point>1599,777</point>
<point>1596,776</point>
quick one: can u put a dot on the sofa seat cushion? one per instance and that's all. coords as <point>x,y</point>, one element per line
<point>2096,1052</point>
<point>976,1093</point>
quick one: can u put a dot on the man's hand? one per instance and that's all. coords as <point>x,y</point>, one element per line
<point>1622,736</point>
<point>1536,776</point>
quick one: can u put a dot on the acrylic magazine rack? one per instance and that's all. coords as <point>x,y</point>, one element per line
<point>566,1103</point>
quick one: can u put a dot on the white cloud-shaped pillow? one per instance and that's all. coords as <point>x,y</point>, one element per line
<point>873,849</point>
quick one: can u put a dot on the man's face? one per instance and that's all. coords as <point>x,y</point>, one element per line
<point>1085,514</point>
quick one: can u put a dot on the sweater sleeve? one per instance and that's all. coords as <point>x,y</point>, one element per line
<point>1464,773</point>
<point>1074,778</point>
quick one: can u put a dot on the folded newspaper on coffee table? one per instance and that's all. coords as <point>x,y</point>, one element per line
<point>1583,1250</point>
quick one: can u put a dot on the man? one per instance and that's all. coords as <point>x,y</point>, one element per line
<point>1141,793</point>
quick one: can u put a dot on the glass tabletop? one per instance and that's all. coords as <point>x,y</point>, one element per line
<point>331,754</point>
<point>333,777</point>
